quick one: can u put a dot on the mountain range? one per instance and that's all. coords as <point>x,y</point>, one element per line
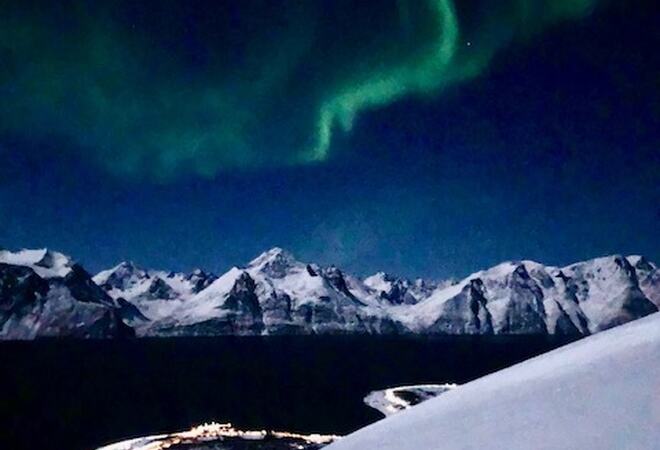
<point>44,293</point>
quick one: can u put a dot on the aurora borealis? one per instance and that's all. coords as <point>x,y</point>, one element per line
<point>163,88</point>
<point>424,138</point>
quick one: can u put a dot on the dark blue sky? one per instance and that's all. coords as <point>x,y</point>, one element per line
<point>552,154</point>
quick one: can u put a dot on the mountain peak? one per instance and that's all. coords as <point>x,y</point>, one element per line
<point>381,276</point>
<point>640,262</point>
<point>198,272</point>
<point>380,281</point>
<point>47,263</point>
<point>120,276</point>
<point>604,265</point>
<point>127,265</point>
<point>275,252</point>
<point>274,262</point>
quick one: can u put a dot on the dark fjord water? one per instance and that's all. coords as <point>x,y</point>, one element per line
<point>78,395</point>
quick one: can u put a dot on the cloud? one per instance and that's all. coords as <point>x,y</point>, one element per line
<point>175,88</point>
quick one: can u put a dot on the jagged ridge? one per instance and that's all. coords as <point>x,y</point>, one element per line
<point>277,294</point>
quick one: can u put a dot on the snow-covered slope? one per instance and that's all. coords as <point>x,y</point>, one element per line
<point>46,294</point>
<point>601,392</point>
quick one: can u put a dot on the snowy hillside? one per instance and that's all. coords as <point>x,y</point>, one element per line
<point>277,294</point>
<point>598,393</point>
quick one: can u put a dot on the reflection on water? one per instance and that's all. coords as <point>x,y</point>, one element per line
<point>223,436</point>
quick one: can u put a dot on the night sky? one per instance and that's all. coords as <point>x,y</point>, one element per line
<point>423,138</point>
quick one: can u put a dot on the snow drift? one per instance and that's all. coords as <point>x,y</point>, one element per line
<point>601,392</point>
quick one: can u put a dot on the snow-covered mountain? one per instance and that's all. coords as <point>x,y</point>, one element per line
<point>46,294</point>
<point>400,290</point>
<point>648,276</point>
<point>277,294</point>
<point>133,283</point>
<point>598,393</point>
<point>527,297</point>
<point>155,293</point>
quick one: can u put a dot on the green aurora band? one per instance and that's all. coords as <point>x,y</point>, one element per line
<point>149,97</point>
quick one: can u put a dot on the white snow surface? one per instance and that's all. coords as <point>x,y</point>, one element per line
<point>207,303</point>
<point>46,263</point>
<point>379,282</point>
<point>602,392</point>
